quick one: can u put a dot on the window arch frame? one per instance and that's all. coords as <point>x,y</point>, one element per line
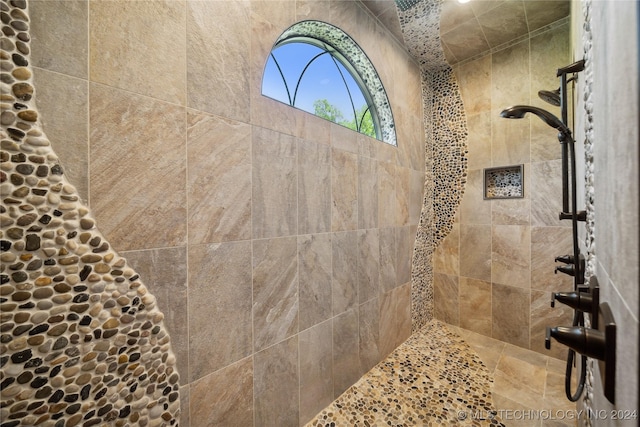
<point>344,49</point>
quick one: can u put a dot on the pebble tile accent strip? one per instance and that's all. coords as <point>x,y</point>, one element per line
<point>81,339</point>
<point>445,144</point>
<point>433,378</point>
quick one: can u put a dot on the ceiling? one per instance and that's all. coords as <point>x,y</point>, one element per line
<point>475,28</point>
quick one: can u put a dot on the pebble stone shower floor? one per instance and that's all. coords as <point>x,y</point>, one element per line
<point>438,378</point>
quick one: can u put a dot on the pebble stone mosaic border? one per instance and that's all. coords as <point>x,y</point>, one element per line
<point>82,342</point>
<point>445,147</point>
<point>433,378</point>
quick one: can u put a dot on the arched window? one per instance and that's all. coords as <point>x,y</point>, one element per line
<point>316,67</point>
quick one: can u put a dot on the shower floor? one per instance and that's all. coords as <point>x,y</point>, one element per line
<point>477,381</point>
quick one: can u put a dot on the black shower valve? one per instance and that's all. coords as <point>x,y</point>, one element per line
<point>587,341</point>
<point>580,215</point>
<point>580,300</point>
<point>570,268</point>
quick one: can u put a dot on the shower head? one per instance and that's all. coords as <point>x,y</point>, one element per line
<point>518,112</point>
<point>550,96</point>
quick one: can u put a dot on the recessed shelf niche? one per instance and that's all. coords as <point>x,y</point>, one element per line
<point>504,182</point>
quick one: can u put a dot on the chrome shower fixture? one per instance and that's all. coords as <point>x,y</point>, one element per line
<point>518,112</point>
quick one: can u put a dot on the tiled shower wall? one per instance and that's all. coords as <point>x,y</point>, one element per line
<point>277,244</point>
<point>494,273</point>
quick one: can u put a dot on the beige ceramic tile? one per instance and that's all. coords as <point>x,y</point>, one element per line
<point>405,240</point>
<point>346,362</point>
<point>388,256</point>
<point>489,349</point>
<point>369,333</point>
<point>224,397</point>
<point>218,178</point>
<point>314,264</point>
<point>546,194</point>
<point>446,258</point>
<point>59,36</point>
<point>510,314</point>
<point>368,264</point>
<point>463,41</point>
<point>367,193</point>
<point>511,412</point>
<point>128,46</point>
<point>446,298</point>
<point>479,140</point>
<point>474,80</point>
<point>475,251</point>
<point>416,196</point>
<point>316,361</point>
<point>345,272</point>
<point>220,288</point>
<point>387,329</point>
<point>164,272</point>
<point>539,13</point>
<point>344,138</point>
<point>403,177</point>
<point>344,190</point>
<point>543,316</point>
<point>62,106</point>
<point>473,208</point>
<point>511,255</point>
<point>275,291</point>
<point>504,23</point>
<point>276,385</point>
<point>140,164</point>
<point>475,305</point>
<point>217,63</point>
<point>274,184</point>
<point>547,243</point>
<point>402,296</point>
<point>314,188</point>
<point>386,194</point>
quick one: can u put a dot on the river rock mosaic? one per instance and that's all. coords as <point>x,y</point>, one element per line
<point>82,342</point>
<point>433,378</point>
<point>445,147</point>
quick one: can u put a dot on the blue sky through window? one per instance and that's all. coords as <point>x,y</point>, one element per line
<point>322,79</point>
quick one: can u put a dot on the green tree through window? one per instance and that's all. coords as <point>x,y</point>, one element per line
<point>317,68</point>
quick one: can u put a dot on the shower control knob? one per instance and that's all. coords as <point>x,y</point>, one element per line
<point>587,341</point>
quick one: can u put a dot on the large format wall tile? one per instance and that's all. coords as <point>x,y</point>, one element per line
<point>224,397</point>
<point>62,103</point>
<point>220,289</point>
<point>60,37</point>
<point>344,191</point>
<point>275,290</point>
<point>388,256</point>
<point>511,255</point>
<point>543,316</point>
<point>475,251</point>
<point>218,179</point>
<point>479,141</point>
<point>546,194</point>
<point>275,385</point>
<point>314,266</point>
<point>368,264</point>
<point>275,184</point>
<point>475,305</point>
<point>367,193</point>
<point>547,243</point>
<point>387,194</point>
<point>217,60</point>
<point>473,208</point>
<point>137,171</point>
<point>129,46</point>
<point>369,334</point>
<point>316,364</point>
<point>314,188</point>
<point>446,258</point>
<point>165,273</point>
<point>346,363</point>
<point>446,298</point>
<point>510,314</point>
<point>474,79</point>
<point>345,271</point>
